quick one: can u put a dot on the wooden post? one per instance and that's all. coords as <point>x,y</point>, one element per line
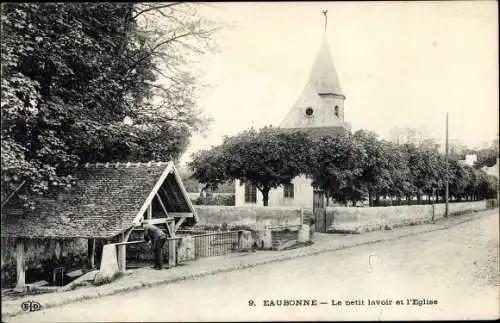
<point>150,211</point>
<point>20,266</point>
<point>172,245</point>
<point>162,205</point>
<point>122,250</point>
<point>91,252</point>
<point>121,254</point>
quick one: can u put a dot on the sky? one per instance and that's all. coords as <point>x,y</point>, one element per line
<point>400,64</point>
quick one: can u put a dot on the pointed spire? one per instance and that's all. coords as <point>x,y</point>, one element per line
<point>323,76</point>
<point>323,80</point>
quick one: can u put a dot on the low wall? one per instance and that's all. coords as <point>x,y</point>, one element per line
<point>42,255</point>
<point>258,217</point>
<point>363,219</point>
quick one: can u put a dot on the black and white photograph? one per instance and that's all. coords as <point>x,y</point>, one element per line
<point>249,161</point>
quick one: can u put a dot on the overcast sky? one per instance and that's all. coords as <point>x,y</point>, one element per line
<point>400,64</point>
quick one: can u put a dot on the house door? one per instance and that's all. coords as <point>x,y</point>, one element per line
<point>319,210</point>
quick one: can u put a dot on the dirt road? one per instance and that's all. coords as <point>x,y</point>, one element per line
<point>447,274</point>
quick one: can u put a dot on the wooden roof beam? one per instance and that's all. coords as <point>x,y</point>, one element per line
<point>179,223</point>
<point>158,221</point>
<point>181,214</point>
<point>162,205</point>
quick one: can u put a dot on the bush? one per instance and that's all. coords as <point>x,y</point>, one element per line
<point>228,200</point>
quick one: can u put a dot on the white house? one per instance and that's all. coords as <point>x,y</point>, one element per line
<point>319,110</point>
<point>469,160</point>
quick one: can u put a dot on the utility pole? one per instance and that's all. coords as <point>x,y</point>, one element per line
<point>446,170</point>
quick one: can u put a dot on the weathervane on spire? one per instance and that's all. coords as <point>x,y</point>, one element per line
<point>326,18</point>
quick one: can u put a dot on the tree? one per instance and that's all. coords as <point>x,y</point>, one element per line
<point>378,170</point>
<point>425,170</point>
<point>459,177</point>
<point>72,72</point>
<point>209,167</point>
<point>417,137</point>
<point>487,157</point>
<point>336,167</point>
<point>401,184</point>
<point>266,158</point>
<point>487,187</point>
<point>190,184</point>
<point>458,150</point>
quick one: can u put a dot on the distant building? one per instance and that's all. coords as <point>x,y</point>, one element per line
<point>318,111</point>
<point>469,160</point>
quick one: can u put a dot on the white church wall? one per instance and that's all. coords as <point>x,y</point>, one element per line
<point>239,195</point>
<point>303,194</point>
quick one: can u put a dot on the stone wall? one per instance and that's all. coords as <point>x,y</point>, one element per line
<point>363,219</point>
<point>255,217</point>
<point>282,236</point>
<point>41,257</point>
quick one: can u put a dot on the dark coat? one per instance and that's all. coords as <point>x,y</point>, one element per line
<point>153,233</point>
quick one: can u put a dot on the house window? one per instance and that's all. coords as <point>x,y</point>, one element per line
<point>250,193</point>
<point>309,111</point>
<point>337,111</point>
<point>288,191</point>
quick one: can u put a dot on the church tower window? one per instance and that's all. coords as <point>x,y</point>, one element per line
<point>309,111</point>
<point>337,111</point>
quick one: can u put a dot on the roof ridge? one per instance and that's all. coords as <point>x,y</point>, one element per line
<point>122,164</point>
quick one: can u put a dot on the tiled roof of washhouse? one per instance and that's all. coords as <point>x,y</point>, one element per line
<point>105,202</point>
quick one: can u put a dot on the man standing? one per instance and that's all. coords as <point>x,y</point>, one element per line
<point>157,238</point>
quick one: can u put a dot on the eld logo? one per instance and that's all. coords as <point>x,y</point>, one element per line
<point>31,306</point>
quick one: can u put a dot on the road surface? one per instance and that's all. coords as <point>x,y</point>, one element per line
<point>447,274</point>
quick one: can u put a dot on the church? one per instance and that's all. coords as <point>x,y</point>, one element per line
<point>319,111</point>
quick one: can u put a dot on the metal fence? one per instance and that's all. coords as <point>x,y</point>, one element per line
<point>193,232</point>
<point>215,243</point>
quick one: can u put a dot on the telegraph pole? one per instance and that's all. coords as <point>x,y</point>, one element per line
<point>446,172</point>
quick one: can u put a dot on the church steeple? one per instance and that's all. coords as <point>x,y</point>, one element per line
<point>323,76</point>
<point>321,104</point>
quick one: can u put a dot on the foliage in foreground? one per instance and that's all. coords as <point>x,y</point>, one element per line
<point>71,73</point>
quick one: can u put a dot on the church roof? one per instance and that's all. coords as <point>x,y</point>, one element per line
<point>323,76</point>
<point>323,80</point>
